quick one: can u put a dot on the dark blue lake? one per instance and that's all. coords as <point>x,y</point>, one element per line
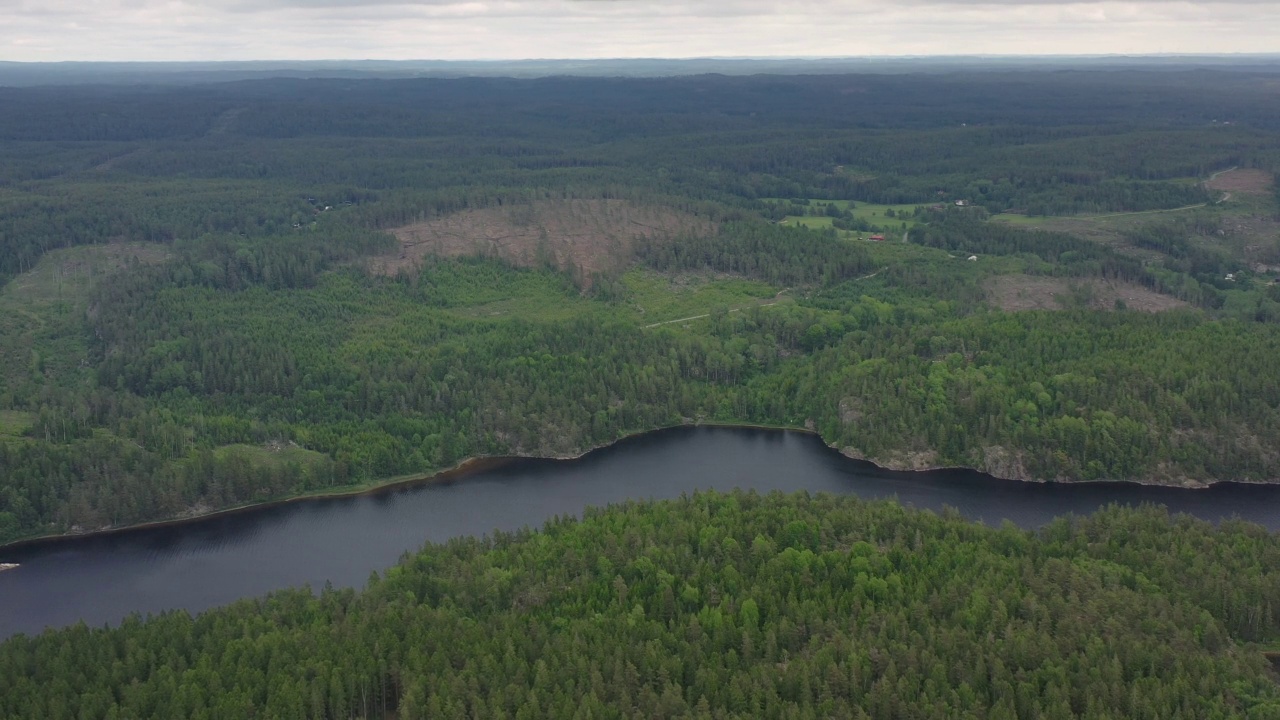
<point>202,564</point>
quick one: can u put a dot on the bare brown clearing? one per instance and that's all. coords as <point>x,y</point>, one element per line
<point>584,235</point>
<point>1246,233</point>
<point>1107,231</point>
<point>1246,181</point>
<point>1030,292</point>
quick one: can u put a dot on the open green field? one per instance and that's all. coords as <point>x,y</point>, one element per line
<point>276,455</point>
<point>868,212</point>
<point>14,424</point>
<point>654,297</point>
<point>876,214</point>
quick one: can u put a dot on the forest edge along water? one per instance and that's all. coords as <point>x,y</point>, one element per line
<point>460,470</point>
<point>475,464</point>
<point>200,564</point>
<point>464,467</point>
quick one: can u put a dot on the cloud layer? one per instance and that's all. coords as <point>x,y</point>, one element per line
<point>35,30</point>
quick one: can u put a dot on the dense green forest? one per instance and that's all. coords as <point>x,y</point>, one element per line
<point>233,292</point>
<point>719,606</point>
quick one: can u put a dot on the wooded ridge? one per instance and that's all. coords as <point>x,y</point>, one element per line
<point>207,302</point>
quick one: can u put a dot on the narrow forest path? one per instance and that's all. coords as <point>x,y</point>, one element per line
<point>1225,197</point>
<point>1214,176</point>
<point>1149,212</point>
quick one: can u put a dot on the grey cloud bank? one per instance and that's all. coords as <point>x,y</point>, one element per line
<point>511,29</point>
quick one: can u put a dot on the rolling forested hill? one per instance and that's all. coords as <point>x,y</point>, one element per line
<point>231,292</point>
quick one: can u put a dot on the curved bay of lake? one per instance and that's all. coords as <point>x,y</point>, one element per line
<point>214,561</point>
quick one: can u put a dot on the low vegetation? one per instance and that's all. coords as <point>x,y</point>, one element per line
<point>1029,292</point>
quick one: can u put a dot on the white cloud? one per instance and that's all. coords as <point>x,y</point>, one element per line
<point>503,29</point>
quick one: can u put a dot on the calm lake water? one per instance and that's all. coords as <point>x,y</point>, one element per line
<point>211,562</point>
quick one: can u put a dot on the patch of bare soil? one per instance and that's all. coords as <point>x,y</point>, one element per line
<point>1244,181</point>
<point>1030,292</point>
<point>1253,238</point>
<point>586,236</point>
<point>1250,236</point>
<point>1106,231</point>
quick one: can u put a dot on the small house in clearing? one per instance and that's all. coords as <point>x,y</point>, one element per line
<point>877,238</point>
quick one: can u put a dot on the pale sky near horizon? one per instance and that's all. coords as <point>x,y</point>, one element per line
<point>50,30</point>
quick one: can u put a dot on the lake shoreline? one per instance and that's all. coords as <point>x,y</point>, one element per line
<point>479,463</point>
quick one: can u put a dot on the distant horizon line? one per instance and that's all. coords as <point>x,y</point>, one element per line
<point>691,58</point>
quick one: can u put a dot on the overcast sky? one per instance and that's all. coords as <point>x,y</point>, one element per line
<point>511,29</point>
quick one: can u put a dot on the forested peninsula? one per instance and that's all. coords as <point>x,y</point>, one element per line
<point>737,606</point>
<point>236,292</point>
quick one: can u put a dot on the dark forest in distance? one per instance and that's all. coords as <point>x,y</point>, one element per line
<point>62,73</point>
